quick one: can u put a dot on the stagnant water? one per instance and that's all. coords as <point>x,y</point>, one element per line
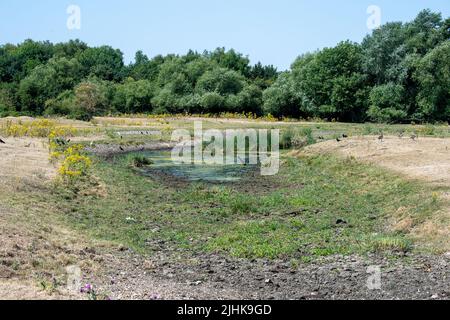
<point>202,172</point>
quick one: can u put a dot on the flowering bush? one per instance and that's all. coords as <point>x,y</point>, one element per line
<point>41,128</point>
<point>74,165</point>
<point>89,290</point>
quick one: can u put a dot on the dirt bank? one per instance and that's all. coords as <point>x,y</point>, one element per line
<point>424,159</point>
<point>427,159</point>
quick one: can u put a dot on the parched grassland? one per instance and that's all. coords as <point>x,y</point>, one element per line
<point>317,206</point>
<point>328,200</point>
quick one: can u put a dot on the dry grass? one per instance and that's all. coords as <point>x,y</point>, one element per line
<point>36,248</point>
<point>27,290</point>
<point>36,245</point>
<point>424,159</point>
<point>25,158</point>
<point>57,121</point>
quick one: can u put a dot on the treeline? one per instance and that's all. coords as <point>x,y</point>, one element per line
<point>399,73</point>
<point>39,78</point>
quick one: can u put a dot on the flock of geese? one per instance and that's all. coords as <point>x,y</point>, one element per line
<point>413,137</point>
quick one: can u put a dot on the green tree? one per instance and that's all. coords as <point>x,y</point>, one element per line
<point>46,82</point>
<point>70,49</point>
<point>212,102</point>
<point>145,69</point>
<point>230,60</point>
<point>424,32</point>
<point>134,96</point>
<point>8,100</point>
<point>280,100</point>
<point>90,100</point>
<point>221,81</point>
<point>16,62</point>
<point>249,100</point>
<point>433,76</point>
<point>383,49</point>
<point>103,62</point>
<point>330,83</point>
<point>263,76</point>
<point>164,101</point>
<point>62,105</point>
<point>387,103</point>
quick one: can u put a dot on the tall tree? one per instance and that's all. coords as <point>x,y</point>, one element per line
<point>103,62</point>
<point>47,81</point>
<point>433,75</point>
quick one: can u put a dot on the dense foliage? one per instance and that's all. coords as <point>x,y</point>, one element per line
<point>399,73</point>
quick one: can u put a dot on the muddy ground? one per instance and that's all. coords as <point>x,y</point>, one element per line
<point>211,276</point>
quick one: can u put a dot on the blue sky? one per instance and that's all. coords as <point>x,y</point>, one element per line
<point>273,32</point>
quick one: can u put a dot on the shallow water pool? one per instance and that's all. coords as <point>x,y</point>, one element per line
<point>162,162</point>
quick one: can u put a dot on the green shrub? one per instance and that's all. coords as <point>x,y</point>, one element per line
<point>308,133</point>
<point>286,139</point>
<point>141,161</point>
<point>388,243</point>
<point>386,103</point>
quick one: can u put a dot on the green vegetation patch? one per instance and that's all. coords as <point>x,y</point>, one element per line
<point>316,206</point>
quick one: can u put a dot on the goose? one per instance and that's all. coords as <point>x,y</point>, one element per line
<point>61,142</point>
<point>381,137</point>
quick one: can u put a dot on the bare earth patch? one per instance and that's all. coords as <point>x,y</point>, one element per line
<point>425,159</point>
<point>25,158</point>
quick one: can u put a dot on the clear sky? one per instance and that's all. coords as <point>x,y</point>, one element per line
<point>273,32</point>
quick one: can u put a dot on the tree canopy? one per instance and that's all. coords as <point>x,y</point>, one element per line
<point>398,73</point>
